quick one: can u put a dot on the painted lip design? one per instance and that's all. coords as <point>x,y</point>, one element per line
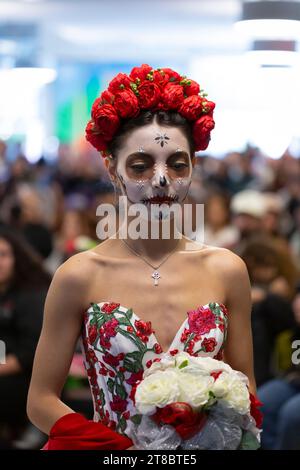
<point>160,199</point>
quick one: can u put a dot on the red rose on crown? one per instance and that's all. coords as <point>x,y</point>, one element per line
<point>173,76</point>
<point>154,89</point>
<point>160,78</point>
<point>191,107</point>
<point>148,95</point>
<point>106,120</point>
<point>208,107</point>
<point>126,104</point>
<point>120,82</point>
<point>201,131</point>
<point>92,135</point>
<point>173,96</point>
<point>106,97</point>
<point>140,72</point>
<point>191,88</point>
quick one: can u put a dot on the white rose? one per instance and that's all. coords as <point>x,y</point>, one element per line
<point>232,389</point>
<point>194,389</point>
<point>222,385</point>
<point>210,365</point>
<point>157,390</point>
<point>166,362</point>
<point>201,365</point>
<point>238,397</point>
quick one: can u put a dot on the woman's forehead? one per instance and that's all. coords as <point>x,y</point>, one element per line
<point>154,135</point>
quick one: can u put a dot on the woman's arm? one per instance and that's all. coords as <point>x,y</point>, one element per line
<point>238,351</point>
<point>60,331</point>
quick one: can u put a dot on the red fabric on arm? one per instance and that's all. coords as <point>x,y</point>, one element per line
<point>74,432</point>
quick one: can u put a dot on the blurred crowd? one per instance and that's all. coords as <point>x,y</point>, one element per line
<point>48,213</point>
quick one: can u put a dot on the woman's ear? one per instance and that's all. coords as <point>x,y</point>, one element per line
<point>111,168</point>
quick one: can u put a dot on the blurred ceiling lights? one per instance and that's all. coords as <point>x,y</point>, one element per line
<point>278,19</point>
<point>28,76</point>
<point>273,26</point>
<point>274,53</point>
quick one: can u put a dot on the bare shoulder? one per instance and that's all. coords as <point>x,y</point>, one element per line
<point>234,274</point>
<point>72,278</point>
<point>226,261</point>
<point>76,269</point>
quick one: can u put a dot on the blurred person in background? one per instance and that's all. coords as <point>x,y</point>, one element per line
<point>239,170</point>
<point>272,218</point>
<point>294,239</point>
<point>281,397</point>
<point>272,288</point>
<point>24,211</point>
<point>76,232</point>
<point>218,230</point>
<point>23,288</point>
<point>248,208</point>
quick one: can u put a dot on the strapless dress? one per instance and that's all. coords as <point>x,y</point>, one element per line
<point>118,346</point>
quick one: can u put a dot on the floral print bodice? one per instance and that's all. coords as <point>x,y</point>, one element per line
<point>118,346</point>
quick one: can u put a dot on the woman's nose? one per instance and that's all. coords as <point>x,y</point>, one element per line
<point>162,180</point>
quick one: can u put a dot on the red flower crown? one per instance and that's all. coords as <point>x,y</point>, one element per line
<point>148,89</point>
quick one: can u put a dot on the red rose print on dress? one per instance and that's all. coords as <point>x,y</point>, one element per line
<point>118,405</point>
<point>112,360</point>
<point>109,328</point>
<point>109,307</point>
<point>135,377</point>
<point>201,321</point>
<point>209,344</point>
<point>92,333</point>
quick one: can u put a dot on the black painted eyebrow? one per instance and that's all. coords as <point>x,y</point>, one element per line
<point>146,154</point>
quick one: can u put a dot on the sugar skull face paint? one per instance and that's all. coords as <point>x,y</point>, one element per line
<point>154,165</point>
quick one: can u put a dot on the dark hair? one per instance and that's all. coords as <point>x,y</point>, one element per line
<point>28,268</point>
<point>166,118</point>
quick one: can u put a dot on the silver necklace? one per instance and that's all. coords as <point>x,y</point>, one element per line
<point>155,275</point>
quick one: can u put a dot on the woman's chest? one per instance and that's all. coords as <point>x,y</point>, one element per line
<point>166,305</point>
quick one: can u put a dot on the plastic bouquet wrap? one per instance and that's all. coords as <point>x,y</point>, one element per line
<point>189,402</point>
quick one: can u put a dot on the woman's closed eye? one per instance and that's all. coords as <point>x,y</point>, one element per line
<point>142,167</point>
<point>179,165</point>
<point>139,168</point>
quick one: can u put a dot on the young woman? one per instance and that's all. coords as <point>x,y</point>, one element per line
<point>147,126</point>
<point>23,288</point>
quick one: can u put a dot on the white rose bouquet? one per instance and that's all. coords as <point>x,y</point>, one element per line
<point>192,402</point>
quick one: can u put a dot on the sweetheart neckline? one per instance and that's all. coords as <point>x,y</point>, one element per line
<point>140,319</point>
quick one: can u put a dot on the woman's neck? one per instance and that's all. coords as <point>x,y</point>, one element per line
<point>164,240</point>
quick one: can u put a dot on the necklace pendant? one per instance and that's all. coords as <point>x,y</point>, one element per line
<point>156,276</point>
